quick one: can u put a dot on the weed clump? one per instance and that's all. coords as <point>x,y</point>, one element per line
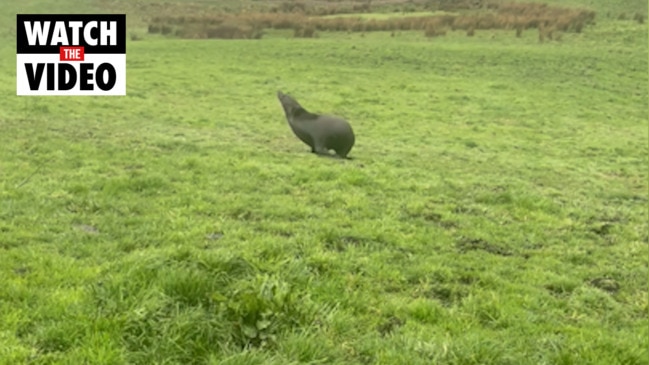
<point>193,302</point>
<point>305,31</point>
<point>640,18</point>
<point>434,31</point>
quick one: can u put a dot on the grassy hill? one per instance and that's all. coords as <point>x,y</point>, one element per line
<point>495,211</point>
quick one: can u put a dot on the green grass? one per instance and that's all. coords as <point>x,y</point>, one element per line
<point>495,211</point>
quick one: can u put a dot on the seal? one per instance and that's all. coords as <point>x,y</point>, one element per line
<point>321,132</point>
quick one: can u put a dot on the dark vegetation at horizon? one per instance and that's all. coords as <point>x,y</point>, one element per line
<point>306,21</point>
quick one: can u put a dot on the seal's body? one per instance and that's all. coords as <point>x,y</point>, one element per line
<point>321,132</point>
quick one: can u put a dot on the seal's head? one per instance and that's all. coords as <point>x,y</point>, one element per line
<point>290,105</point>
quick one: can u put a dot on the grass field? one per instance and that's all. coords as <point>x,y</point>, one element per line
<point>495,211</point>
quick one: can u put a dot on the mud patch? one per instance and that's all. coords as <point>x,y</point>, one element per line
<point>605,284</point>
<point>389,325</point>
<point>473,244</point>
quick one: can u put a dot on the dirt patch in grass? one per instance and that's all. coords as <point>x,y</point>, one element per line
<point>474,244</point>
